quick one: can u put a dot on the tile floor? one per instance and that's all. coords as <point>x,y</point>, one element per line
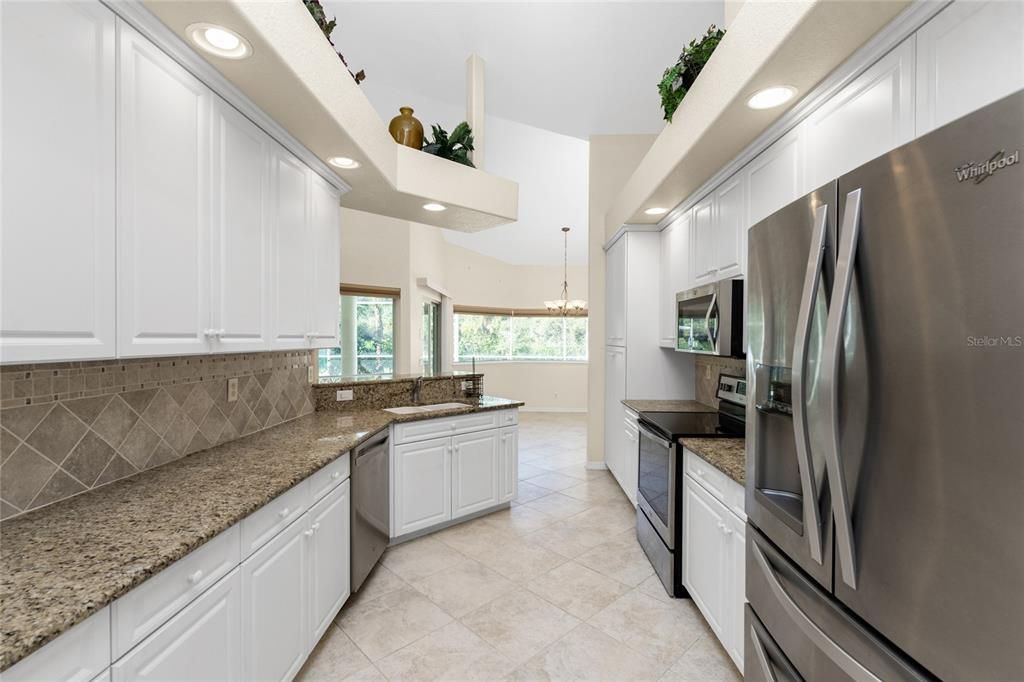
<point>554,588</point>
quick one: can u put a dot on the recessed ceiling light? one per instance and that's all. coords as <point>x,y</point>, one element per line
<point>771,97</point>
<point>343,162</point>
<point>656,210</point>
<point>219,41</point>
<point>434,207</point>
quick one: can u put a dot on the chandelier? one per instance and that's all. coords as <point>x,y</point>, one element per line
<point>564,305</point>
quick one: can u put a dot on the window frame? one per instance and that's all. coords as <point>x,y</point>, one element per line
<point>510,355</point>
<point>365,291</point>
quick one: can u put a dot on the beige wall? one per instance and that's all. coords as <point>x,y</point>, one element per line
<point>389,252</point>
<point>613,158</point>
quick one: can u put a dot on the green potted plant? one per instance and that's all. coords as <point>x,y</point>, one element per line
<point>455,147</point>
<point>320,17</point>
<point>679,78</point>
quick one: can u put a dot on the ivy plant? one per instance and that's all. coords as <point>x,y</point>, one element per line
<point>679,78</point>
<point>320,17</point>
<point>455,147</point>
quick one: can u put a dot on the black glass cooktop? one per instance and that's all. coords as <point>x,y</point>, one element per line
<point>673,425</point>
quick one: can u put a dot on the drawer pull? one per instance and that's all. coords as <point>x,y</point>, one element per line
<point>283,513</point>
<point>194,578</point>
<point>316,526</point>
<point>308,533</point>
<point>336,475</point>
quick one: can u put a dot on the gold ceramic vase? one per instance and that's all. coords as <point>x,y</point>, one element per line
<point>406,129</point>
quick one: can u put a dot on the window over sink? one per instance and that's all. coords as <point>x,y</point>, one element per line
<point>367,334</point>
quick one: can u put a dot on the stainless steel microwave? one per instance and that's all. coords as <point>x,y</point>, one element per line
<point>710,319</point>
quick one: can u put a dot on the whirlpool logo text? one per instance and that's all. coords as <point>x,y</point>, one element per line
<point>979,172</point>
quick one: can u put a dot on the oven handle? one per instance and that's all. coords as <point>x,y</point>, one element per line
<point>655,437</point>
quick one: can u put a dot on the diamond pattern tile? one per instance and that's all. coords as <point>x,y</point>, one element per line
<point>57,434</point>
<point>160,412</point>
<point>115,422</point>
<point>87,409</point>
<point>89,458</point>
<point>23,475</point>
<point>22,420</point>
<point>198,404</point>
<point>139,445</point>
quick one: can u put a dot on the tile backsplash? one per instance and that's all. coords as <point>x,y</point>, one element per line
<point>68,427</point>
<point>709,367</point>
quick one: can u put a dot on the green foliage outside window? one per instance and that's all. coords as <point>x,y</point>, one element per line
<point>504,337</point>
<point>374,342</point>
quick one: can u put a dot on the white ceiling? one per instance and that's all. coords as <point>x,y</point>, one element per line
<point>576,68</point>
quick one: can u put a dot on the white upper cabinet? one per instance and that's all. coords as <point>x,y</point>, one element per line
<point>869,117</point>
<point>969,55</point>
<point>240,231</point>
<point>730,224</point>
<point>290,267</point>
<point>615,293</point>
<point>676,275</point>
<point>775,177</point>
<point>325,252</point>
<point>162,203</point>
<point>704,251</point>
<point>57,244</point>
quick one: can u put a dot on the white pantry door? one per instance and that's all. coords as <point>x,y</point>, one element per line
<point>240,232</point>
<point>57,290</point>
<point>163,212</point>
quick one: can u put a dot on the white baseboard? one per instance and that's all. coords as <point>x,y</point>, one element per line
<point>569,410</point>
<point>597,466</point>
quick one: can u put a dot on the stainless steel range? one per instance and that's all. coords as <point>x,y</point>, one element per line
<point>659,520</point>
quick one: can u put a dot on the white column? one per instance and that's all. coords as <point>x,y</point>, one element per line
<point>475,105</point>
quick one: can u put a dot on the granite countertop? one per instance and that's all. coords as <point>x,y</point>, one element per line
<point>668,406</point>
<point>728,455</point>
<point>64,562</point>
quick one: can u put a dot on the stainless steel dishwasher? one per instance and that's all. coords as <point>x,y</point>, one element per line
<point>371,506</point>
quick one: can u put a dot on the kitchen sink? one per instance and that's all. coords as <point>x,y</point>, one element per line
<point>419,409</point>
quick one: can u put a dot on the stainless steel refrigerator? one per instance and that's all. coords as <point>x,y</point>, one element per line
<point>885,428</point>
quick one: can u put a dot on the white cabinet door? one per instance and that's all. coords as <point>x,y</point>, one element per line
<point>681,277</point>
<point>775,177</point>
<point>736,553</point>
<point>202,642</point>
<point>240,232</point>
<point>329,568</point>
<point>476,471</point>
<point>508,467</point>
<point>704,249</point>
<point>57,243</point>
<point>705,555</point>
<point>163,212</point>
<point>325,234</point>
<point>675,276</point>
<point>869,117</point>
<point>275,620</point>
<point>290,266</point>
<point>422,485</point>
<point>666,297</point>
<point>615,293</point>
<point>730,226</point>
<point>969,55</point>
<point>630,478</point>
<point>615,392</point>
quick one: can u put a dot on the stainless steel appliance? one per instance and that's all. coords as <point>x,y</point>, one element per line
<point>371,506</point>
<point>884,430</point>
<point>710,319</point>
<point>659,512</point>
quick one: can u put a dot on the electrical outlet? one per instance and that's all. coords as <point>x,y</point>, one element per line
<point>232,390</point>
<point>312,374</point>
<point>344,395</point>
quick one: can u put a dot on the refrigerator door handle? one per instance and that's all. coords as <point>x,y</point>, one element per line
<point>830,378</point>
<point>707,321</point>
<point>816,635</point>
<point>808,479</point>
<point>762,656</point>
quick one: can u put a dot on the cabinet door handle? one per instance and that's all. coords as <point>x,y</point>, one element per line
<point>283,513</point>
<point>308,533</point>
<point>194,578</point>
<point>336,475</point>
<point>210,333</point>
<point>315,527</point>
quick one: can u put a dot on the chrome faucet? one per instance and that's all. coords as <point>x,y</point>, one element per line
<point>417,384</point>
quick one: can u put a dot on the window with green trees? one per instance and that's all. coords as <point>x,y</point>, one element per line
<point>367,339</point>
<point>496,337</point>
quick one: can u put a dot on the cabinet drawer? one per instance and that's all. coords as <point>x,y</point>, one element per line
<point>151,604</point>
<point>736,498</point>
<point>708,476</point>
<point>79,654</point>
<point>450,426</point>
<point>262,525</point>
<point>328,478</point>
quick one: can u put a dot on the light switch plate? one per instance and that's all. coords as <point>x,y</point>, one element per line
<point>232,390</point>
<point>344,395</point>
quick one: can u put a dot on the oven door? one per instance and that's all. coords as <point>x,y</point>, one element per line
<point>657,484</point>
<point>698,316</point>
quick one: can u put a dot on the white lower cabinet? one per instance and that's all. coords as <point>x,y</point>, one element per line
<point>436,481</point>
<point>329,561</point>
<point>475,470</point>
<point>203,641</point>
<point>422,485</point>
<point>715,554</point>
